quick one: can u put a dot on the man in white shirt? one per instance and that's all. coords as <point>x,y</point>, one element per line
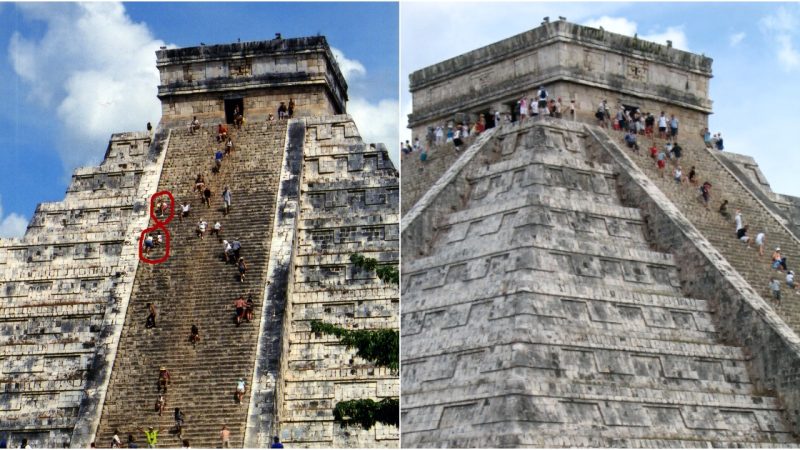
<point>201,228</point>
<point>662,126</point>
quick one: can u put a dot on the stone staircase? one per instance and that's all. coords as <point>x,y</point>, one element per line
<point>419,176</point>
<point>195,286</point>
<point>540,316</point>
<point>719,231</point>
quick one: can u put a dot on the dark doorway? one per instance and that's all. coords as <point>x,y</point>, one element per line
<point>514,108</point>
<point>230,107</point>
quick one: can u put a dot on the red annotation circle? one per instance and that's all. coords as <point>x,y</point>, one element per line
<point>159,225</point>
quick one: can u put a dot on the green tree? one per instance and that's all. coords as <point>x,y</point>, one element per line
<point>380,347</point>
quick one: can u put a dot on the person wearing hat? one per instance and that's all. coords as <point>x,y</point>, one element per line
<point>240,388</point>
<point>778,261</point>
<point>164,379</point>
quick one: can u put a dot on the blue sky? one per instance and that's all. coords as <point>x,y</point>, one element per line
<point>75,73</point>
<point>755,47</point>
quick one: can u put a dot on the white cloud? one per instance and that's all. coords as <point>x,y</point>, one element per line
<point>377,123</point>
<point>787,54</point>
<point>781,27</point>
<point>619,25</point>
<point>94,67</point>
<point>350,68</point>
<point>627,27</point>
<point>737,38</point>
<point>12,225</point>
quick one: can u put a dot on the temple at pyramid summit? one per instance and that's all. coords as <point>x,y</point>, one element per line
<point>564,287</point>
<point>121,306</point>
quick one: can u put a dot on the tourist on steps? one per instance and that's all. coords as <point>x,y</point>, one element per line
<point>194,125</point>
<point>282,114</point>
<point>185,444</point>
<point>239,305</point>
<point>290,109</point>
<point>761,240</point>
<point>705,193</point>
<point>741,234</point>
<point>242,266</point>
<point>229,147</point>
<point>723,210</point>
<point>148,243</point>
<point>164,379</point>
<point>131,441</point>
<point>775,285</point>
<point>184,211</point>
<point>249,308</point>
<point>216,229</point>
<point>276,443</point>
<point>226,199</point>
<point>152,436</point>
<point>179,417</point>
<point>240,388</point>
<point>222,132</point>
<point>116,442</point>
<point>218,160</point>
<point>199,183</point>
<point>778,261</point>
<point>227,251</point>
<point>151,318</point>
<point>201,228</point>
<point>207,197</point>
<point>161,403</point>
<point>194,337</point>
<point>225,437</point>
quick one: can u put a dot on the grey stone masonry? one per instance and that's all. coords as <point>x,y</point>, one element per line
<point>65,289</point>
<point>195,81</point>
<point>348,203</point>
<point>541,308</point>
<point>574,62</point>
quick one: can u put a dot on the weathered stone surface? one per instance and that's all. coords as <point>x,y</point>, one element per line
<point>536,311</point>
<point>575,63</point>
<point>348,203</point>
<point>66,288</point>
<point>196,81</point>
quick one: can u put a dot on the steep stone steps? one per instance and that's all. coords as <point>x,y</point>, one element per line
<point>195,286</point>
<point>515,330</point>
<point>720,231</point>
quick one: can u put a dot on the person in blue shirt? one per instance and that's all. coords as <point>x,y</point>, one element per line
<point>276,443</point>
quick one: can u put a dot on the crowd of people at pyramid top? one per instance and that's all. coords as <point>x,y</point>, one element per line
<point>285,111</point>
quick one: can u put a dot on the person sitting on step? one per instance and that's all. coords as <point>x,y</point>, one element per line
<point>778,260</point>
<point>216,229</point>
<point>227,251</point>
<point>222,132</point>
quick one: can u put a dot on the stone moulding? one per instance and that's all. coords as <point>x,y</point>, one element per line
<point>114,318</point>
<point>743,317</point>
<point>420,221</point>
<point>266,383</point>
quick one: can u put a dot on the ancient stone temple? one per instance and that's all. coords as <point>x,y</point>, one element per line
<point>557,291</point>
<point>80,360</point>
